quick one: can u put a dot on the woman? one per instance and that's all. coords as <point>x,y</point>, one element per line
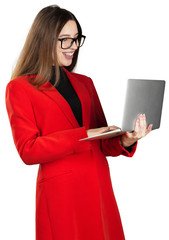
<point>50,109</point>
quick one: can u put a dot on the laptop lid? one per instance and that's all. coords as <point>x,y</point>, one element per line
<point>143,96</point>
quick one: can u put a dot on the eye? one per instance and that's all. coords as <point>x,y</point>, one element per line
<point>64,39</point>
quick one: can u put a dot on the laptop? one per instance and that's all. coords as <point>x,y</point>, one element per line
<point>142,97</point>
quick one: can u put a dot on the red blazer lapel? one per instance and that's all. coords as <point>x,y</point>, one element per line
<point>62,103</point>
<point>82,93</point>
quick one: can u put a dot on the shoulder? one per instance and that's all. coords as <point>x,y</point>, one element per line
<point>20,89</point>
<point>21,82</point>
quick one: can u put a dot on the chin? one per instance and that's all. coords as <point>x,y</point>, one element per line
<point>66,63</point>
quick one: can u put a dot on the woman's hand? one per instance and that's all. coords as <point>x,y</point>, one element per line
<point>140,131</point>
<point>96,131</point>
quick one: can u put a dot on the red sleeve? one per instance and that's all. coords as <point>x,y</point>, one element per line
<point>32,147</point>
<point>110,147</point>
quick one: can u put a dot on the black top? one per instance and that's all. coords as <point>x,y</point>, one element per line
<point>66,89</point>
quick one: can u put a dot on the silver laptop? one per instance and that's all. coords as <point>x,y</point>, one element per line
<point>142,96</point>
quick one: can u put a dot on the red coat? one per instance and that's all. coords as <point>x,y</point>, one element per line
<point>74,198</point>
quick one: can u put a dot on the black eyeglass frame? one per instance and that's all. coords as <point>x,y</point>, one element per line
<point>73,40</point>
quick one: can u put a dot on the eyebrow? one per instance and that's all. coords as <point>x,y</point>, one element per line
<point>67,35</point>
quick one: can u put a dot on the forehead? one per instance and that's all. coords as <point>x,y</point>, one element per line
<point>70,28</point>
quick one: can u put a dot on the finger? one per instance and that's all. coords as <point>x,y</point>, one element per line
<point>149,129</point>
<point>104,129</point>
<point>113,127</point>
<point>142,120</point>
<point>137,125</point>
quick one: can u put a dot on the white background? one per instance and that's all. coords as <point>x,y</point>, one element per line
<point>125,39</point>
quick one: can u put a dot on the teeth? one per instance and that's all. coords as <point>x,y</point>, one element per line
<point>69,54</point>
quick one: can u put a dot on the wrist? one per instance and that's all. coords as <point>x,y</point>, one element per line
<point>126,142</point>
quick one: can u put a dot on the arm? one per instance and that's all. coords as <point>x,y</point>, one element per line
<point>32,147</point>
<point>117,149</point>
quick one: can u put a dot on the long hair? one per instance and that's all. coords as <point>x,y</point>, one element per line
<point>39,52</point>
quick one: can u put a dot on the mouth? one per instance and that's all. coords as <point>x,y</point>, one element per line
<point>68,55</point>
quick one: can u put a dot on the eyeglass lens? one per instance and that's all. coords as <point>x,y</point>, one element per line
<point>68,42</point>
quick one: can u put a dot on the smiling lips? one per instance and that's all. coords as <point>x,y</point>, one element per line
<point>68,55</point>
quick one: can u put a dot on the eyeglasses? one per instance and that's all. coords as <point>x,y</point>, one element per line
<point>68,42</point>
